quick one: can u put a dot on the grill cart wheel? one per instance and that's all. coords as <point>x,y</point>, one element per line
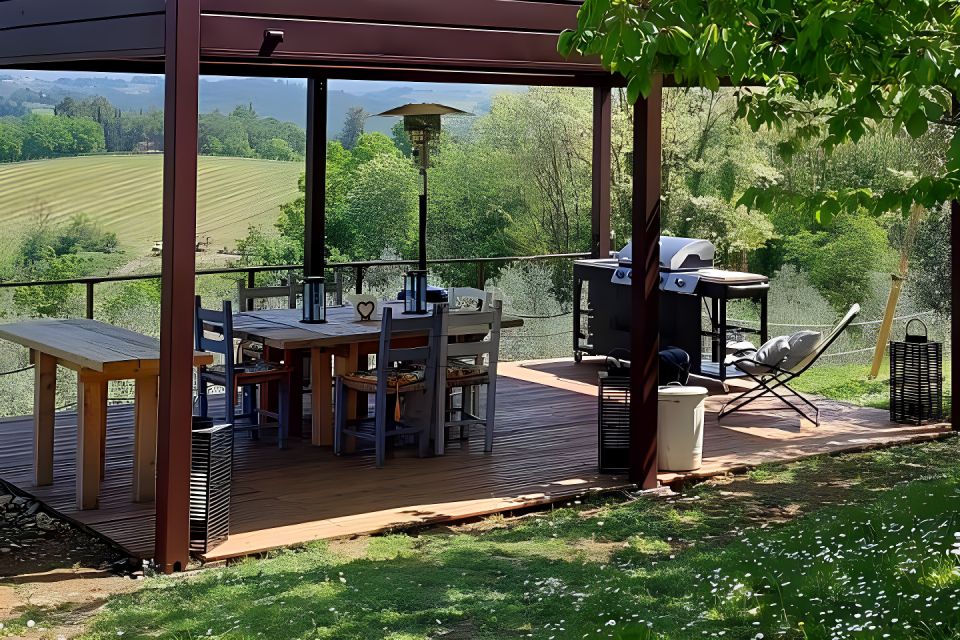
<point>578,356</point>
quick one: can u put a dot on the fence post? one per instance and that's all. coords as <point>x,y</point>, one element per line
<point>358,272</point>
<point>251,283</point>
<point>481,275</point>
<point>89,300</point>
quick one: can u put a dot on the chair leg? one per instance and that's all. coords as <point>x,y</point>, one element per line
<point>380,432</point>
<point>489,420</point>
<point>255,411</point>
<point>340,417</point>
<point>203,405</point>
<point>230,410</point>
<point>283,413</point>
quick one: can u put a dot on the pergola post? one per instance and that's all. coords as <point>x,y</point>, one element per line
<point>182,68</point>
<point>600,201</point>
<point>644,329</point>
<point>314,232</point>
<point>954,315</point>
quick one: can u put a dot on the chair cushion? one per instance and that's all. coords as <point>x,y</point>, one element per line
<point>771,353</point>
<point>802,344</point>
<point>464,370</point>
<point>396,376</point>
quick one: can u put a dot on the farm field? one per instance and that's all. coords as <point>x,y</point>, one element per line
<point>123,192</point>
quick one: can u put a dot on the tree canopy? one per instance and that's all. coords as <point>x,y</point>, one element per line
<point>824,71</point>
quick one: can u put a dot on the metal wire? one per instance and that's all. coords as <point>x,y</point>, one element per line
<point>558,315</point>
<point>13,371</point>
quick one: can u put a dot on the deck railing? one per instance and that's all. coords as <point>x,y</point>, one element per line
<point>358,269</point>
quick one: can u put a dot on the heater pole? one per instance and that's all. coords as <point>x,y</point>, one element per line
<point>422,265</point>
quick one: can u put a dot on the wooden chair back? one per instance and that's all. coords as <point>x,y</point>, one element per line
<point>476,299</point>
<point>489,347</point>
<point>218,323</point>
<point>249,295</point>
<point>432,326</point>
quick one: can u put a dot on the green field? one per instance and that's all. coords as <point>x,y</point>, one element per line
<point>123,192</point>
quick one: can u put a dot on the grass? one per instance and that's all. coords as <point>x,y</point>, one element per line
<point>857,546</point>
<point>850,383</point>
<point>124,193</point>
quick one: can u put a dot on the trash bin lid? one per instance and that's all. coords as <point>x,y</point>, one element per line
<point>677,390</point>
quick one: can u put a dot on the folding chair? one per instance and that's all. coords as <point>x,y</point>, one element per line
<point>775,379</point>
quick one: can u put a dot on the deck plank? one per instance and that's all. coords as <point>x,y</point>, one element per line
<point>544,451</point>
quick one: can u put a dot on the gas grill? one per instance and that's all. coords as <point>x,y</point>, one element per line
<point>688,283</point>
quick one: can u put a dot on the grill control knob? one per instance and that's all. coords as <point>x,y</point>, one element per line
<point>619,274</point>
<point>630,274</point>
<point>680,283</point>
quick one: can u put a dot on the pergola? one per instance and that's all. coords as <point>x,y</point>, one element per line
<point>461,41</point>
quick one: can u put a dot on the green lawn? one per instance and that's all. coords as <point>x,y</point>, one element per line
<point>858,546</point>
<point>849,383</point>
<point>123,192</point>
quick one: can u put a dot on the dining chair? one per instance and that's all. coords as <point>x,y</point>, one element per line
<point>236,376</point>
<point>468,298</point>
<point>468,366</point>
<point>401,376</point>
<point>249,296</point>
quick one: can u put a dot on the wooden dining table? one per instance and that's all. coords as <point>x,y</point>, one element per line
<point>348,342</point>
<point>99,353</point>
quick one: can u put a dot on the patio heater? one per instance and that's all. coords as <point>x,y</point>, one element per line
<point>421,121</point>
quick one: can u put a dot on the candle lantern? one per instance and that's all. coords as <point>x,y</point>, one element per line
<point>314,300</point>
<point>415,292</point>
<point>916,378</point>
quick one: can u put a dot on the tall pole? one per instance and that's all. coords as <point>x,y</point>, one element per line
<point>954,315</point>
<point>645,292</point>
<point>424,162</point>
<point>314,232</point>
<point>600,200</point>
<point>182,68</point>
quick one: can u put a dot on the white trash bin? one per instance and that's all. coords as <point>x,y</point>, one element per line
<point>680,427</point>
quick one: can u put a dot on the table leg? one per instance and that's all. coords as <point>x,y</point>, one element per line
<point>293,358</point>
<point>44,416</point>
<point>91,396</point>
<point>145,438</point>
<point>342,366</point>
<point>103,430</point>
<point>321,398</point>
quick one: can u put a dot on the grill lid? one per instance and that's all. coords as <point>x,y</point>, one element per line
<point>677,254</point>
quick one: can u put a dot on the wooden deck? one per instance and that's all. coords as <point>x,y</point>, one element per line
<point>544,451</point>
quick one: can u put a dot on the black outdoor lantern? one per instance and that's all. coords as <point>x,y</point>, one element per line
<point>415,292</point>
<point>422,123</point>
<point>314,300</point>
<point>916,378</point>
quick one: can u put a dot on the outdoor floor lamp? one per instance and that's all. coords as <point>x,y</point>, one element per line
<point>421,121</point>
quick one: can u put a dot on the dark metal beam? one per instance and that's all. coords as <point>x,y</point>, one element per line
<point>26,13</point>
<point>176,301</point>
<point>600,200</point>
<point>314,233</point>
<point>128,36</point>
<point>514,15</point>
<point>319,41</point>
<point>644,328</point>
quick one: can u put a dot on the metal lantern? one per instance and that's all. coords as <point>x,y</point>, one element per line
<point>211,459</point>
<point>415,292</point>
<point>916,378</point>
<point>314,300</point>
<point>614,413</point>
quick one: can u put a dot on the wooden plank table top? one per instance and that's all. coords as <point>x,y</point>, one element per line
<point>80,344</point>
<point>99,353</point>
<point>282,328</point>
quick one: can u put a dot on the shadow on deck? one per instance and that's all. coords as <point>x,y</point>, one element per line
<point>545,450</point>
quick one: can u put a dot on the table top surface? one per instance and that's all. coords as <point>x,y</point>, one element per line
<point>88,344</point>
<point>282,328</point>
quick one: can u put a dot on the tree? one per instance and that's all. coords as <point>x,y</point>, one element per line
<point>829,72</point>
<point>352,129</point>
<point>11,142</point>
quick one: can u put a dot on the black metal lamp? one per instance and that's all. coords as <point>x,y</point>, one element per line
<point>415,292</point>
<point>314,300</point>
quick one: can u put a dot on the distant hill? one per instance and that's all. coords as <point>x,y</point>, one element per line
<point>124,193</point>
<point>277,98</point>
